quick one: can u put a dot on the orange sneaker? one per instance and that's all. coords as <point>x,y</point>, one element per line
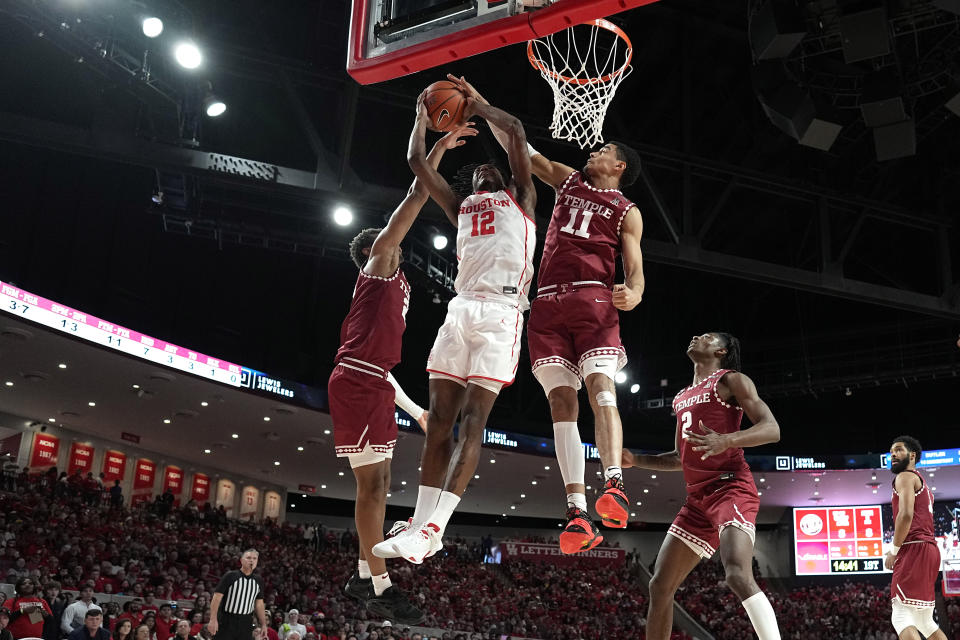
<point>580,534</point>
<point>613,507</point>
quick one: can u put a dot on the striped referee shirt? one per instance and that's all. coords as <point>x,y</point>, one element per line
<point>240,592</point>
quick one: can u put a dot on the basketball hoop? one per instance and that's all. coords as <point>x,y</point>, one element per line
<point>584,65</point>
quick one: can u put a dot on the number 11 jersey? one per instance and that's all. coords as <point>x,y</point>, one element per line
<point>583,239</point>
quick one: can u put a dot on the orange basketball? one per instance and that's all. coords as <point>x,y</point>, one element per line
<point>445,104</point>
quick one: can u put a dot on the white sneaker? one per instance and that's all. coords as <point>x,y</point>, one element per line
<point>385,549</point>
<point>416,546</point>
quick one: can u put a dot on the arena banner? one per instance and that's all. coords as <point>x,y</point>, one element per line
<point>81,458</point>
<point>46,448</point>
<point>271,505</point>
<point>249,503</point>
<point>173,479</point>
<point>226,495</point>
<point>200,489</point>
<point>550,553</point>
<point>114,465</point>
<point>144,475</point>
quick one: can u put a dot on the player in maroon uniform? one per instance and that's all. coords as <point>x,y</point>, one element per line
<point>574,329</point>
<point>362,397</point>
<point>722,503</point>
<point>915,557</point>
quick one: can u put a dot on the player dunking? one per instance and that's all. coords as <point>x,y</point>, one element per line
<point>722,503</point>
<point>574,330</point>
<point>915,557</point>
<point>362,394</point>
<point>478,347</point>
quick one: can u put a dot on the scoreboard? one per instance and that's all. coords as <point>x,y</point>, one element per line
<point>838,540</point>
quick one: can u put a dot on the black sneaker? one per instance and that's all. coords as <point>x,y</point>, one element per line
<point>392,605</point>
<point>359,588</point>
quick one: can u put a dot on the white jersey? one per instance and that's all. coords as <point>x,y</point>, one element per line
<point>495,243</point>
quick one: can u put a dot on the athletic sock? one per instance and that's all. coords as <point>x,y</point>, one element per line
<point>762,617</point>
<point>427,498</point>
<point>570,458</point>
<point>578,500</point>
<point>611,472</point>
<point>381,584</point>
<point>445,507</point>
<point>363,569</point>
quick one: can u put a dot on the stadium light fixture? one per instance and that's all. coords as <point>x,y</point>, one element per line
<point>343,216</point>
<point>634,388</point>
<point>213,106</point>
<point>152,27</point>
<point>621,377</point>
<point>187,55</point>
<point>440,242</point>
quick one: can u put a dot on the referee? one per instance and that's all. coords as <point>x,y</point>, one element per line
<point>241,593</point>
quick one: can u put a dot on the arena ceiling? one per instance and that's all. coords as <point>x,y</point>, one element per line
<point>834,269</point>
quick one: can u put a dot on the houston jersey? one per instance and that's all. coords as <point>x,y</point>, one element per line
<point>495,242</point>
<point>701,402</point>
<point>921,527</point>
<point>372,332</point>
<point>583,238</point>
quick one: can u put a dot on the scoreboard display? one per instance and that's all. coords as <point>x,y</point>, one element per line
<point>838,540</point>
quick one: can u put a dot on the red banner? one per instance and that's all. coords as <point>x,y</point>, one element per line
<point>144,474</point>
<point>81,458</point>
<point>114,465</point>
<point>45,451</point>
<point>173,480</point>
<point>534,552</point>
<point>200,490</point>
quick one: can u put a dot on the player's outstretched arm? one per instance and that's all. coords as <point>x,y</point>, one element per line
<point>402,400</point>
<point>626,296</point>
<point>668,461</point>
<point>553,173</point>
<point>439,189</point>
<point>516,146</point>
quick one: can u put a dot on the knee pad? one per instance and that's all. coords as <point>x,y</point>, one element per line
<point>551,376</point>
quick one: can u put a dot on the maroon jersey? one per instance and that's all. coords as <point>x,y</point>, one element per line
<point>701,403</point>
<point>373,330</point>
<point>583,238</point>
<point>921,527</point>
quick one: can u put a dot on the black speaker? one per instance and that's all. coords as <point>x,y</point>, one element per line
<point>895,140</point>
<point>865,35</point>
<point>821,134</point>
<point>881,102</point>
<point>776,29</point>
<point>791,109</point>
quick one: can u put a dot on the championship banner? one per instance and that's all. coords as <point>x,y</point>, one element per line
<point>226,493</point>
<point>144,474</point>
<point>45,451</point>
<point>271,505</point>
<point>249,501</point>
<point>200,491</point>
<point>173,480</point>
<point>81,458</point>
<point>535,552</point>
<point>114,465</point>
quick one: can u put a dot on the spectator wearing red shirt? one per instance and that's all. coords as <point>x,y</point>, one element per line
<point>27,610</point>
<point>132,611</point>
<point>149,604</point>
<point>166,622</point>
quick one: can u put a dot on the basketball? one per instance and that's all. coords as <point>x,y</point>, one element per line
<point>445,104</point>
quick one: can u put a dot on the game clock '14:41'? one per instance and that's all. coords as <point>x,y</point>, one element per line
<point>847,566</point>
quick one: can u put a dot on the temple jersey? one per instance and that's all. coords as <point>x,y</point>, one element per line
<point>698,403</point>
<point>495,243</point>
<point>921,527</point>
<point>372,332</point>
<point>583,238</point>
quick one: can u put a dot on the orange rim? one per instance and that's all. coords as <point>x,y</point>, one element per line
<point>541,66</point>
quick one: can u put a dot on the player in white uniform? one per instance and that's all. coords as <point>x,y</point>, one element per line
<point>478,347</point>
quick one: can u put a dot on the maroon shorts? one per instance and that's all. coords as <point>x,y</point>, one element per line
<point>731,503</point>
<point>364,420</point>
<point>915,574</point>
<point>568,327</point>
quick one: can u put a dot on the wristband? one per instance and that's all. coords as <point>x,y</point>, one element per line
<point>895,550</point>
<point>531,151</point>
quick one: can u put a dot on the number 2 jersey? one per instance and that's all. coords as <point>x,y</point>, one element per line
<point>495,243</point>
<point>583,239</point>
<point>701,403</point>
<point>371,335</point>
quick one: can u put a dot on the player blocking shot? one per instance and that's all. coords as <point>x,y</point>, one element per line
<point>477,348</point>
<point>915,557</point>
<point>574,330</point>
<point>362,391</point>
<point>722,502</point>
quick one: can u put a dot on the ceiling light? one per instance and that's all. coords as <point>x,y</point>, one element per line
<point>293,505</point>
<point>213,106</point>
<point>816,493</point>
<point>546,468</point>
<point>634,388</point>
<point>303,495</point>
<point>389,494</point>
<point>933,488</point>
<point>534,482</point>
<point>760,493</point>
<point>816,479</point>
<point>342,216</point>
<point>136,386</point>
<point>513,506</point>
<point>874,490</point>
<point>764,479</point>
<point>206,450</point>
<point>299,448</point>
<point>503,515</point>
<point>266,418</point>
<point>638,503</point>
<point>51,419</point>
<point>633,515</point>
<point>653,476</point>
<point>403,482</point>
<point>323,486</point>
<point>621,377</point>
<point>523,495</point>
<point>440,242</point>
<point>589,487</point>
<point>206,404</point>
<point>476,476</point>
<point>646,490</point>
<point>152,27</point>
<point>493,461</point>
<point>62,365</point>
<point>276,463</point>
<point>326,432</point>
<point>91,404</point>
<point>187,55</point>
<point>8,383</point>
<point>166,421</point>
<point>340,474</point>
<point>234,435</point>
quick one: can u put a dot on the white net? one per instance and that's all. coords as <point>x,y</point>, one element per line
<point>583,65</point>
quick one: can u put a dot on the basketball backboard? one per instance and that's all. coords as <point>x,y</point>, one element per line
<point>393,38</point>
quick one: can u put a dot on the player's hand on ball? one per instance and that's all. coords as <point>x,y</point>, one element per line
<point>889,560</point>
<point>468,89</point>
<point>709,442</point>
<point>625,298</point>
<point>421,106</point>
<point>455,137</point>
<point>626,459</point>
<point>422,421</point>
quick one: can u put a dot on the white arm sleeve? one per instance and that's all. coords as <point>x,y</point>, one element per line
<point>403,400</point>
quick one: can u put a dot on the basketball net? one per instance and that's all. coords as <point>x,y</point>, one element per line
<point>583,65</point>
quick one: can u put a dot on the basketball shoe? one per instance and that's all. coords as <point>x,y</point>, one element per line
<point>359,588</point>
<point>580,534</point>
<point>385,549</point>
<point>612,506</point>
<point>416,546</point>
<point>392,605</point>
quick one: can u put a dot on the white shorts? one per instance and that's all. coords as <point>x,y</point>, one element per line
<point>478,342</point>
